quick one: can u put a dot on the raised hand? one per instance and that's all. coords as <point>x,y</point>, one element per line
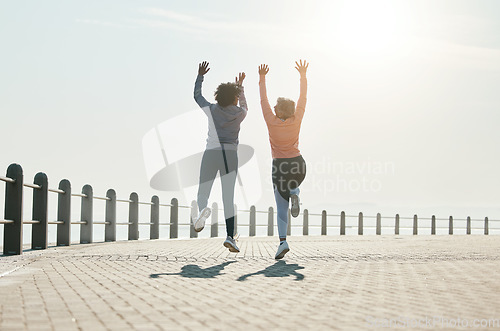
<point>240,78</point>
<point>302,67</point>
<point>263,69</point>
<point>203,68</point>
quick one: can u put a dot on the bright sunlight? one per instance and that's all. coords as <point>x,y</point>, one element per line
<point>367,26</point>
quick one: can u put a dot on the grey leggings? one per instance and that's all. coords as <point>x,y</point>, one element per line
<point>288,174</point>
<point>226,162</point>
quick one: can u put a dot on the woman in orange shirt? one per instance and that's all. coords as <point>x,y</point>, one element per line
<point>289,168</point>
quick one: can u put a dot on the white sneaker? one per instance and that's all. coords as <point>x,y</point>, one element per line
<point>194,213</point>
<point>282,250</point>
<point>295,205</point>
<point>199,224</point>
<point>231,244</point>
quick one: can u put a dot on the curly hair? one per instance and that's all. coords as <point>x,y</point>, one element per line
<point>286,106</point>
<point>226,92</point>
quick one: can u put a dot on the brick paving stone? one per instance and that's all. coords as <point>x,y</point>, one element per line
<point>325,282</point>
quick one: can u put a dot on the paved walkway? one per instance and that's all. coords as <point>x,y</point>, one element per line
<point>329,282</point>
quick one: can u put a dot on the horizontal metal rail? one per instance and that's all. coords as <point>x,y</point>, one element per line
<point>346,226</point>
<point>34,186</point>
<point>102,198</point>
<point>56,191</point>
<point>7,179</point>
<point>330,222</point>
<point>31,222</point>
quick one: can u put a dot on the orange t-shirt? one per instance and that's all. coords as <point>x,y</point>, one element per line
<point>284,135</point>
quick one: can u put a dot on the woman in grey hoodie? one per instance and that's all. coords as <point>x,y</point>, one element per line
<point>224,119</point>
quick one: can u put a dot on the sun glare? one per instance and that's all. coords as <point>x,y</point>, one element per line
<point>366,26</point>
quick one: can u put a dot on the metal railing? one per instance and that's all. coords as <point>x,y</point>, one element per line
<point>13,220</point>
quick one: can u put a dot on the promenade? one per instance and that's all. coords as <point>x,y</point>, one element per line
<point>327,282</point>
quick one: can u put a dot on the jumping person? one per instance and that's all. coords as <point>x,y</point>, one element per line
<point>288,168</point>
<point>224,118</point>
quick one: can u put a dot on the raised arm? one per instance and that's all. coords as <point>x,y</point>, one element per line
<point>241,97</point>
<point>264,102</point>
<point>301,103</point>
<point>198,97</point>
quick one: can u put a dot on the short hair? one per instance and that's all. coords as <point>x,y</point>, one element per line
<point>226,92</point>
<point>286,106</point>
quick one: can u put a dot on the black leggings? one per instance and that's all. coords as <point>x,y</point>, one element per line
<point>226,162</point>
<point>288,174</point>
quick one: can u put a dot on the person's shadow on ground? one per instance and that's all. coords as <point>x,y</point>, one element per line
<point>194,271</point>
<point>279,269</point>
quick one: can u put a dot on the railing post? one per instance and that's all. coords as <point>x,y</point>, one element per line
<point>305,225</point>
<point>87,215</point>
<point>235,219</point>
<point>415,224</point>
<point>323,223</point>
<point>433,225</point>
<point>468,225</point>
<point>270,222</point>
<point>194,211</point>
<point>40,200</point>
<point>133,217</point>
<point>13,232</point>
<point>64,214</point>
<point>214,229</point>
<point>342,223</point>
<point>174,218</point>
<point>360,224</point>
<point>379,224</point>
<point>252,222</point>
<point>450,231</point>
<point>154,227</point>
<point>486,227</point>
<point>289,223</point>
<point>396,225</point>
<point>110,229</point>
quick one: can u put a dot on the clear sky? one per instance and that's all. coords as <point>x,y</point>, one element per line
<point>403,104</point>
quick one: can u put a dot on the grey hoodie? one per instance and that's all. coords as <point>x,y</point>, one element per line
<point>223,122</point>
